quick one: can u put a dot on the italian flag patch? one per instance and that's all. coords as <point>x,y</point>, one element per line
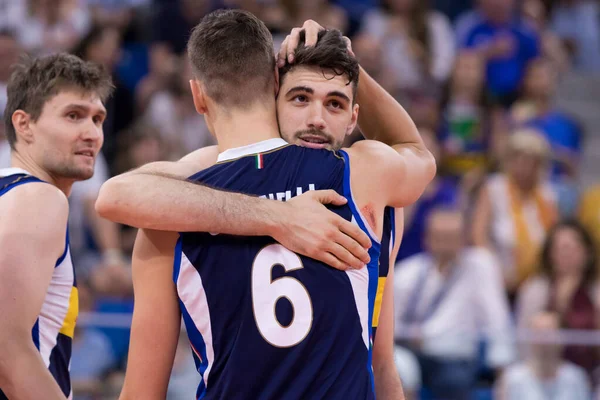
<point>259,161</point>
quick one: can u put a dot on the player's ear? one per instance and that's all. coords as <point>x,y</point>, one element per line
<point>198,96</point>
<point>22,123</point>
<point>353,120</point>
<point>276,80</point>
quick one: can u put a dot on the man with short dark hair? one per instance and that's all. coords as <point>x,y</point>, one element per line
<point>53,119</point>
<point>229,288</point>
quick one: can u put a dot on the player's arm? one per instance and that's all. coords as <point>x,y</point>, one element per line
<point>33,222</point>
<point>410,166</point>
<point>378,168</point>
<point>387,381</point>
<point>158,196</point>
<point>156,317</point>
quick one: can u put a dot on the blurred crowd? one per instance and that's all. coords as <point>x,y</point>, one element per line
<point>496,288</point>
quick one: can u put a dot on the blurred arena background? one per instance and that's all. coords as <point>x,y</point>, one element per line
<point>506,94</point>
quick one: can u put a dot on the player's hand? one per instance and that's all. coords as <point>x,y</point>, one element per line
<point>307,227</point>
<point>288,47</point>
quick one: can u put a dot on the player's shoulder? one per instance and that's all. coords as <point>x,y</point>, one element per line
<point>201,158</point>
<point>371,153</point>
<point>31,197</point>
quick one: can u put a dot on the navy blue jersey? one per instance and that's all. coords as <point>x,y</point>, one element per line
<point>265,323</point>
<point>53,330</point>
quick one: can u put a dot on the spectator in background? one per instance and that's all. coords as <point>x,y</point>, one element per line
<point>452,8</point>
<point>440,192</point>
<point>12,14</point>
<point>506,44</point>
<point>9,52</point>
<point>568,286</point>
<point>516,208</point>
<point>544,374</point>
<point>449,296</point>
<point>92,355</point>
<point>171,111</point>
<point>369,52</point>
<point>172,23</point>
<point>140,144</point>
<point>102,45</point>
<point>115,13</point>
<point>52,26</point>
<point>287,14</point>
<point>536,13</point>
<point>535,109</point>
<point>577,23</point>
<point>466,130</point>
<point>418,43</point>
<point>324,12</point>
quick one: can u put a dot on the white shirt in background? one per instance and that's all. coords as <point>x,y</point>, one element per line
<point>571,383</point>
<point>474,304</point>
<point>409,71</point>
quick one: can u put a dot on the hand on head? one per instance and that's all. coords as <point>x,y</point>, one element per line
<point>311,31</point>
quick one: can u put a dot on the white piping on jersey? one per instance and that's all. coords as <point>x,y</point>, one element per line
<point>12,171</point>
<point>359,280</point>
<point>254,148</point>
<point>190,290</point>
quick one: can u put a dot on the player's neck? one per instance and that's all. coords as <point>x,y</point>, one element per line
<point>242,128</point>
<point>26,163</point>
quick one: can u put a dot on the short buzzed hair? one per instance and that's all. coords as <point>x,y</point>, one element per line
<point>34,81</point>
<point>231,52</point>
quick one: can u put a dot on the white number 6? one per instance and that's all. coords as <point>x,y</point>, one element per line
<point>266,293</point>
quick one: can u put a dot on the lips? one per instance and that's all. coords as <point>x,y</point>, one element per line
<point>314,141</point>
<point>88,153</point>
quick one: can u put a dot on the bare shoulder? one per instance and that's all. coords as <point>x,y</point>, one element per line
<point>37,199</point>
<point>34,215</point>
<point>370,148</point>
<point>183,168</point>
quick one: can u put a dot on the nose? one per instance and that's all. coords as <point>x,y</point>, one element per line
<point>93,133</point>
<point>315,119</point>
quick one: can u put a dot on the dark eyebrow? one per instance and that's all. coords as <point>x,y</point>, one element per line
<point>306,89</point>
<point>339,94</point>
<point>301,89</point>
<point>84,108</point>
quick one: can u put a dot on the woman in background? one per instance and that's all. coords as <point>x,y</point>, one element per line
<point>568,286</point>
<point>516,208</point>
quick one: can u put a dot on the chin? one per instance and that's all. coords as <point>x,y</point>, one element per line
<point>77,174</point>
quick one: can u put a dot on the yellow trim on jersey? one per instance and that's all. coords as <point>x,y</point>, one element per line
<point>378,301</point>
<point>68,326</point>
